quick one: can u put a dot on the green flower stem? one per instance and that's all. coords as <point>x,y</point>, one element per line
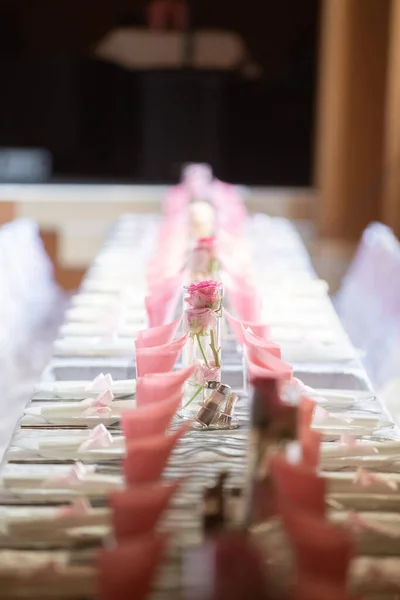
<point>214,350</point>
<point>202,350</point>
<point>197,392</point>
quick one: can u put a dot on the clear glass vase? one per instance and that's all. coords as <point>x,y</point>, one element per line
<point>202,317</point>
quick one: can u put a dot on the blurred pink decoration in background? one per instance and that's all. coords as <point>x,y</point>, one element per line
<point>156,336</point>
<point>137,510</point>
<point>259,329</point>
<point>161,303</point>
<point>146,458</point>
<point>158,359</point>
<point>298,486</point>
<point>127,571</point>
<point>259,347</point>
<point>321,549</point>
<point>269,366</point>
<point>149,420</point>
<point>156,387</point>
<point>245,300</point>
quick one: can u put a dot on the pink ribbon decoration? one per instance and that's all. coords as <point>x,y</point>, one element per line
<point>156,387</point>
<point>99,405</point>
<point>100,383</point>
<point>364,478</point>
<point>79,508</point>
<point>72,478</point>
<point>149,420</point>
<point>158,359</point>
<point>146,458</point>
<point>298,485</point>
<point>157,336</point>
<point>137,510</point>
<point>99,437</point>
<point>261,330</point>
<point>127,570</point>
<point>321,549</point>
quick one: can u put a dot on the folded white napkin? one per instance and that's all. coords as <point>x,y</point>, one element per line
<point>94,346</point>
<point>81,389</point>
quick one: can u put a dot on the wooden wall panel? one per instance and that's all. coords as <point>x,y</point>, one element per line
<point>349,144</point>
<point>391,188</point>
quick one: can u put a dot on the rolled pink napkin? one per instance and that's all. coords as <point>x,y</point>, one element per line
<point>146,458</point>
<point>158,359</point>
<point>260,347</point>
<point>156,336</point>
<point>137,510</point>
<point>306,413</point>
<point>270,366</point>
<point>157,387</point>
<point>259,329</point>
<point>310,448</point>
<point>245,300</point>
<point>321,549</point>
<point>149,420</point>
<point>127,571</point>
<point>298,486</point>
<point>162,300</point>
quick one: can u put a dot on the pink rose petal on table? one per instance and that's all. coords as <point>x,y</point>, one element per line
<point>155,387</point>
<point>157,336</point>
<point>149,420</point>
<point>127,571</point>
<point>136,511</point>
<point>99,437</point>
<point>146,458</point>
<point>158,359</point>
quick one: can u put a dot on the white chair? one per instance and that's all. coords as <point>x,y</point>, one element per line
<point>368,301</point>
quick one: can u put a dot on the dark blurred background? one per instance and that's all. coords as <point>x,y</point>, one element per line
<point>103,121</point>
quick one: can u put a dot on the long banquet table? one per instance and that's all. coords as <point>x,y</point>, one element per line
<point>281,265</point>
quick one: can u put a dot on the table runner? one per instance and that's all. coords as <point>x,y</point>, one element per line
<point>205,454</point>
